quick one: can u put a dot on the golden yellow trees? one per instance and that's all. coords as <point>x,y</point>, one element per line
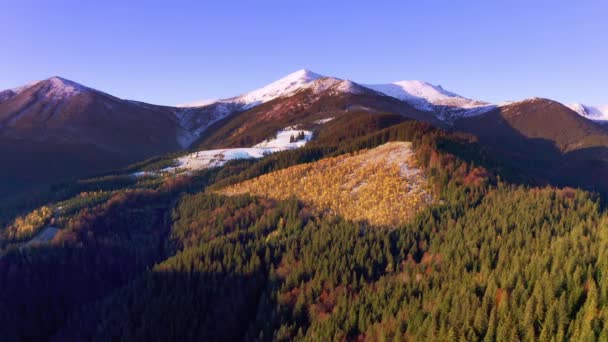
<point>381,185</point>
<point>26,226</point>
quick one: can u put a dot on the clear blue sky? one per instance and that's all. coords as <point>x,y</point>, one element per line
<point>171,52</point>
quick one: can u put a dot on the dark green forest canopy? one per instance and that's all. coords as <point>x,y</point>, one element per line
<point>495,258</point>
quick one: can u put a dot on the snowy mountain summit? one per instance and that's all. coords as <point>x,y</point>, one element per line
<point>57,88</point>
<point>284,86</point>
<point>430,98</point>
<point>51,89</point>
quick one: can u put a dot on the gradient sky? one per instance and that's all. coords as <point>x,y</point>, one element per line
<point>170,52</point>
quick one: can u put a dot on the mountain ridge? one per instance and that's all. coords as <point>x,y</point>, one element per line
<point>60,112</point>
<point>445,104</point>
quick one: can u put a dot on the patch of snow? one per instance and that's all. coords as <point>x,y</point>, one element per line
<point>347,86</point>
<point>144,174</point>
<point>323,121</point>
<point>60,88</point>
<point>420,94</point>
<point>199,103</point>
<point>46,235</point>
<point>595,113</point>
<point>283,137</point>
<point>334,86</point>
<point>214,158</point>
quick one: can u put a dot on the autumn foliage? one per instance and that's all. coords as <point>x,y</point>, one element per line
<point>382,186</point>
<point>28,225</point>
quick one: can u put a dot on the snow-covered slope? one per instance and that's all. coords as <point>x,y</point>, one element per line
<point>213,158</point>
<point>595,113</point>
<point>60,110</point>
<point>427,97</point>
<point>288,138</point>
<point>60,88</point>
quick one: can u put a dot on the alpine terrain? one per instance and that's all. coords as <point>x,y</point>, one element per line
<point>311,209</point>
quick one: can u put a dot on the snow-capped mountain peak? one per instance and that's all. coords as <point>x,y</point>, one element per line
<point>284,86</point>
<point>281,87</point>
<point>412,89</point>
<point>433,98</point>
<point>595,113</point>
<point>424,95</point>
<point>58,88</point>
<point>53,88</point>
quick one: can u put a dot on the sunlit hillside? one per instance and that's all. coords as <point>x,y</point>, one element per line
<point>382,185</point>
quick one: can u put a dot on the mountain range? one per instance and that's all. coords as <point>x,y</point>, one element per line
<point>314,208</point>
<point>57,129</point>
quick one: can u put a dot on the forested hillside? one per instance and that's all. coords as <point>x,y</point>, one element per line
<point>492,257</point>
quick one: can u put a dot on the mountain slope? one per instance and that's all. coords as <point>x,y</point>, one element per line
<point>538,118</point>
<point>546,139</point>
<point>64,111</point>
<point>57,129</point>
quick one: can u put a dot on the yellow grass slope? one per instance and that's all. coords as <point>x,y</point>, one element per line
<point>382,186</point>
